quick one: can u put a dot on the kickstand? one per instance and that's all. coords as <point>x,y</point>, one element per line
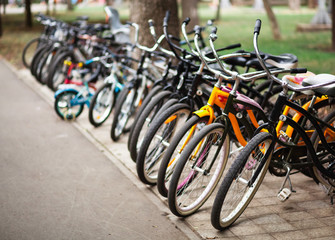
<point>285,193</point>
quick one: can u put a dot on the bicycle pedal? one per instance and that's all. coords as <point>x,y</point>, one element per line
<point>284,194</point>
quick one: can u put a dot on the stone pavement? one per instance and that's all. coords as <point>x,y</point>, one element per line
<point>307,214</point>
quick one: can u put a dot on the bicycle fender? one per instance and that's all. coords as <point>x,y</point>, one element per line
<point>59,91</point>
<point>205,112</point>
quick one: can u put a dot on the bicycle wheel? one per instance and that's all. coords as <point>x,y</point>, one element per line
<point>44,57</point>
<point>64,106</point>
<point>36,58</point>
<point>198,170</point>
<point>124,111</point>
<point>58,70</point>
<point>143,122</point>
<point>29,51</point>
<point>157,139</point>
<point>43,71</point>
<point>235,194</point>
<point>324,169</point>
<point>172,154</point>
<point>155,90</point>
<point>102,104</point>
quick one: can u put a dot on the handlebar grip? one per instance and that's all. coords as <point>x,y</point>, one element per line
<point>129,23</point>
<point>258,25</point>
<point>298,70</point>
<point>166,19</point>
<point>197,30</point>
<point>151,23</point>
<point>214,30</point>
<point>187,20</point>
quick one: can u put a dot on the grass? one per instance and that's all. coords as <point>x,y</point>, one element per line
<point>236,25</point>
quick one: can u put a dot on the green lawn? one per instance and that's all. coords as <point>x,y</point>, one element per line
<point>235,26</point>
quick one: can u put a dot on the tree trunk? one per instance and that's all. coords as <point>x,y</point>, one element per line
<point>294,4</point>
<point>218,10</point>
<point>0,25</point>
<point>29,20</point>
<point>333,25</point>
<point>69,5</point>
<point>190,9</point>
<point>143,10</point>
<point>273,20</point>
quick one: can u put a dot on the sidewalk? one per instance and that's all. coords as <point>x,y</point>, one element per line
<point>306,215</point>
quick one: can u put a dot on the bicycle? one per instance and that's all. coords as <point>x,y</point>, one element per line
<point>248,170</point>
<point>105,97</point>
<point>135,91</point>
<point>205,115</point>
<point>201,160</point>
<point>69,100</point>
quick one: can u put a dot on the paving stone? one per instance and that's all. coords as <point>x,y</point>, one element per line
<point>322,212</point>
<point>246,229</point>
<point>307,223</point>
<point>319,232</point>
<point>280,227</point>
<point>259,237</point>
<point>330,221</point>
<point>290,235</point>
<point>214,234</point>
<point>268,219</point>
<point>295,216</point>
<point>257,211</point>
<point>313,204</point>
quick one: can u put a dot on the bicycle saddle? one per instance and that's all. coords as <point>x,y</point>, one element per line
<point>321,78</point>
<point>285,60</point>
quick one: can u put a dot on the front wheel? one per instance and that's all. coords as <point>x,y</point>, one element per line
<point>125,109</point>
<point>157,139</point>
<point>173,152</point>
<point>66,107</point>
<point>199,170</point>
<point>101,104</point>
<point>236,191</point>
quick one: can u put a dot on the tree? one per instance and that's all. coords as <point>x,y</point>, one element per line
<point>294,4</point>
<point>69,5</point>
<point>0,25</point>
<point>190,9</point>
<point>29,20</point>
<point>273,20</point>
<point>143,10</point>
<point>333,25</point>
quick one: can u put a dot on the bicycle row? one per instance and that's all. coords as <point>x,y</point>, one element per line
<point>196,119</point>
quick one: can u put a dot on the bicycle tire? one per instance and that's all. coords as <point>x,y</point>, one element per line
<point>157,138</point>
<point>104,98</point>
<point>124,110</point>
<point>58,70</point>
<point>174,150</point>
<point>29,50</point>
<point>41,63</point>
<point>192,183</point>
<point>143,122</point>
<point>324,173</point>
<point>35,59</point>
<point>155,90</point>
<point>241,165</point>
<point>62,107</point>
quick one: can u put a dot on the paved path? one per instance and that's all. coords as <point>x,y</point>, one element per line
<point>56,184</point>
<point>306,215</point>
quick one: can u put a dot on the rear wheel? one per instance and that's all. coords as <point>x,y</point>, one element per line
<point>325,167</point>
